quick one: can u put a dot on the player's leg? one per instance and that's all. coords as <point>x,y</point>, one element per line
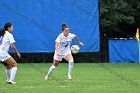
<point>7,70</point>
<point>12,63</point>
<point>56,61</point>
<point>52,68</point>
<point>69,58</point>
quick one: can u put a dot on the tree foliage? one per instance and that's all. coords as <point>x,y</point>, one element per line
<point>119,18</point>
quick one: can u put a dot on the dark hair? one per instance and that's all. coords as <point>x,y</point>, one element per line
<point>64,26</point>
<point>2,32</point>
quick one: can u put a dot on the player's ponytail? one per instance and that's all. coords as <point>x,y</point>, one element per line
<point>2,32</point>
<point>6,26</point>
<point>64,26</point>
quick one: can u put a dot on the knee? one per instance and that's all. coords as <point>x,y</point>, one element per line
<point>71,60</point>
<point>8,67</point>
<point>56,63</point>
<point>14,64</point>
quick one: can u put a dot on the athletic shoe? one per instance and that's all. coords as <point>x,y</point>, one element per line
<point>69,77</point>
<point>11,82</point>
<point>7,81</point>
<point>46,77</point>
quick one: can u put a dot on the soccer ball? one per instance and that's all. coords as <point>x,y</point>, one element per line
<point>75,49</point>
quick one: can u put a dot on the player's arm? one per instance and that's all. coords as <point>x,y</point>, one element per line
<point>80,43</point>
<point>12,41</point>
<point>15,49</point>
<point>57,49</point>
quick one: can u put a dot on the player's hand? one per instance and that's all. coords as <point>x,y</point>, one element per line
<point>18,54</point>
<point>81,44</point>
<point>58,54</point>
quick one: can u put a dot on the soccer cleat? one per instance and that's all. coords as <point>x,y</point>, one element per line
<point>7,81</point>
<point>46,77</point>
<point>11,82</point>
<point>69,77</point>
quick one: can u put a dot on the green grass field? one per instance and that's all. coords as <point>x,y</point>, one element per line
<point>87,78</point>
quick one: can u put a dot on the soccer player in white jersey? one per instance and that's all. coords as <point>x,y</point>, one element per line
<point>7,40</point>
<point>62,50</point>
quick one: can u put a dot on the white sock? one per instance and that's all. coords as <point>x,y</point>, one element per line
<point>8,73</point>
<point>51,70</point>
<point>70,66</point>
<point>13,73</point>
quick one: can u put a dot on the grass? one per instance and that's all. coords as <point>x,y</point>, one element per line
<point>87,78</point>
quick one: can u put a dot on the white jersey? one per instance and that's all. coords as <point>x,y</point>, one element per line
<point>6,41</point>
<point>64,42</point>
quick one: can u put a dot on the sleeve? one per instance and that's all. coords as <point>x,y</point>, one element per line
<point>73,36</point>
<point>58,39</point>
<point>11,39</point>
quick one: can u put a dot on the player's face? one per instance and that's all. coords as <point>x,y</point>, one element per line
<point>10,29</point>
<point>66,31</point>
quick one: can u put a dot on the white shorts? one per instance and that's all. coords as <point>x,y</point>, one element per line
<point>4,55</point>
<point>59,58</point>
